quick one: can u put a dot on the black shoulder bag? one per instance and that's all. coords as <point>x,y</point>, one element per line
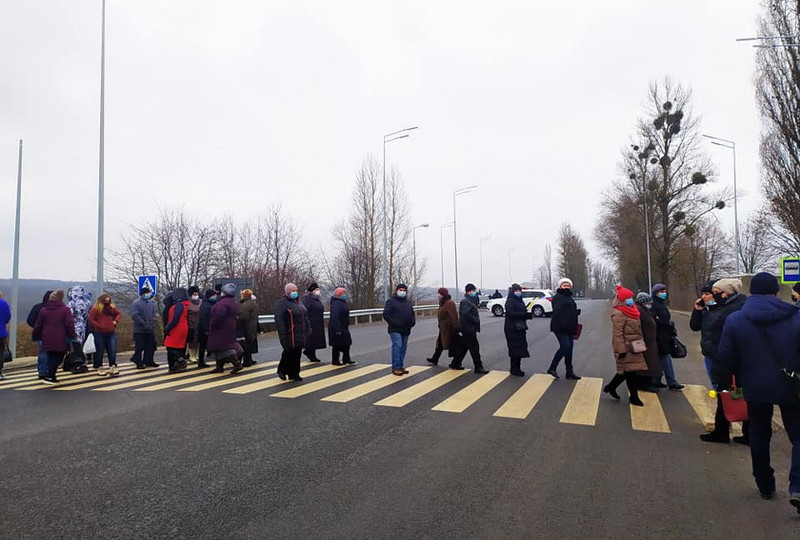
<point>778,358</point>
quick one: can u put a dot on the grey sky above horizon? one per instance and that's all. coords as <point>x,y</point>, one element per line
<point>228,107</point>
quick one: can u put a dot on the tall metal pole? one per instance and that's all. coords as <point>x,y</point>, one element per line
<point>12,342</point>
<point>441,248</point>
<point>455,241</point>
<point>385,239</point>
<point>414,256</point>
<point>647,229</point>
<point>101,181</point>
<point>736,211</point>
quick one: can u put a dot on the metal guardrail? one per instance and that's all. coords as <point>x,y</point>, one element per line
<point>354,314</point>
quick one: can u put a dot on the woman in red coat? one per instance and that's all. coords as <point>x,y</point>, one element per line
<point>55,328</point>
<point>104,317</point>
<point>176,331</point>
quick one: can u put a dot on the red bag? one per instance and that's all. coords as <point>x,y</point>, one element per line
<point>578,330</point>
<point>734,404</point>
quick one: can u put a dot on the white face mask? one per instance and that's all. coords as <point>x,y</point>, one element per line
<point>253,297</point>
<point>195,297</point>
<point>317,292</point>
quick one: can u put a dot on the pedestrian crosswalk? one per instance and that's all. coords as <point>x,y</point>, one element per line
<point>457,390</point>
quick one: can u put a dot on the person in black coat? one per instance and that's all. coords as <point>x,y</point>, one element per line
<point>316,317</point>
<point>339,328</point>
<point>291,321</point>
<point>41,359</point>
<point>515,329</point>
<point>664,333</point>
<point>202,326</point>
<point>399,315</point>
<point>564,324</point>
<point>469,326</point>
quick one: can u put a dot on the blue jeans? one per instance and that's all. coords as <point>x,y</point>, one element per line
<point>710,371</point>
<point>760,434</point>
<point>41,361</point>
<point>399,346</point>
<point>565,344</point>
<point>669,371</point>
<point>105,343</point>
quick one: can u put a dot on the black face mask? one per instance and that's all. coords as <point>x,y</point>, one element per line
<point>718,297</point>
<point>565,292</point>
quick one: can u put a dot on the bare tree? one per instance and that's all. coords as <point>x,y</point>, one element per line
<point>572,258</point>
<point>704,255</point>
<point>399,230</point>
<point>756,250</point>
<point>546,278</point>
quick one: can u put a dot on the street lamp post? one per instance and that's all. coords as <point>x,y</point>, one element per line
<point>389,137</point>
<point>441,247</point>
<point>731,145</point>
<point>483,239</point>
<point>414,256</point>
<point>456,193</point>
<point>12,342</point>
<point>101,193</point>
<point>644,156</point>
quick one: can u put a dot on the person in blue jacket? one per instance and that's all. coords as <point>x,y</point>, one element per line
<point>399,314</point>
<point>5,317</point>
<point>760,345</point>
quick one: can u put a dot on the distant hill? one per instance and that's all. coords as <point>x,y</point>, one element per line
<point>32,290</point>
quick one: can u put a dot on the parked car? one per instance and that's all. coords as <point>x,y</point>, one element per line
<point>538,301</point>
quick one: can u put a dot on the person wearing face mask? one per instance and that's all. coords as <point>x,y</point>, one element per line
<point>399,314</point>
<point>176,330</point>
<point>701,321</point>
<point>202,326</point>
<point>626,328</point>
<point>644,380</point>
<point>339,328</point>
<point>564,324</point>
<point>221,341</point>
<point>193,320</point>
<point>664,328</point>
<point>143,314</point>
<point>447,318</point>
<point>515,328</point>
<point>291,320</point>
<point>247,324</point>
<point>312,301</point>
<point>796,294</point>
<point>469,325</point>
<point>104,317</point>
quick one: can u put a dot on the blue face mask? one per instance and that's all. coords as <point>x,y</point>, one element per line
<point>518,294</point>
<point>212,299</point>
<point>343,297</point>
<point>662,295</point>
<point>401,294</point>
<point>711,303</point>
<point>629,302</point>
<point>293,295</point>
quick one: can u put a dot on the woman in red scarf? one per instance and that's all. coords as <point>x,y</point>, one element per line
<point>626,336</point>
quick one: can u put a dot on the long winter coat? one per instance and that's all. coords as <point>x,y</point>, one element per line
<point>193,320</point>
<point>339,324</point>
<point>756,342</point>
<point>222,325</point>
<point>205,318</point>
<point>399,314</point>
<point>54,326</point>
<point>292,323</point>
<point>516,327</point>
<point>448,323</point>
<point>316,318</point>
<point>468,315</point>
<point>663,318</point>
<point>564,319</point>
<point>624,330</point>
<point>247,319</point>
<point>176,330</point>
<point>711,321</point>
<point>651,356</point>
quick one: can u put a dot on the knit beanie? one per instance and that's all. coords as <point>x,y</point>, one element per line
<point>516,287</point>
<point>193,289</point>
<point>470,287</point>
<point>443,291</point>
<point>729,285</point>
<point>623,293</point>
<point>229,289</point>
<point>339,292</point>
<point>708,286</point>
<point>643,298</point>
<point>764,283</point>
<point>289,287</point>
<point>564,280</point>
<point>657,288</point>
<point>400,286</point>
<point>313,287</point>
<point>209,293</point>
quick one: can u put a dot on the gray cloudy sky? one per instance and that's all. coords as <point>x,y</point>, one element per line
<point>229,106</point>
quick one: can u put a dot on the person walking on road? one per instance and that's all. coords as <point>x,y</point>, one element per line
<point>176,330</point>
<point>644,381</point>
<point>222,322</point>
<point>469,325</point>
<point>626,334</point>
<point>515,328</point>
<point>55,328</point>
<point>709,320</point>
<point>143,315</point>
<point>399,315</point>
<point>247,325</point>
<point>33,314</point>
<point>564,324</point>
<point>339,328</point>
<point>447,317</point>
<point>79,303</point>
<point>760,344</point>
<point>104,317</point>
<point>665,332</point>
<point>193,322</point>
<point>291,320</point>
<point>5,318</point>
<point>312,301</point>
<point>202,326</point>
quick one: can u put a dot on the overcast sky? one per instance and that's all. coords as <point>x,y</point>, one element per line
<point>229,106</point>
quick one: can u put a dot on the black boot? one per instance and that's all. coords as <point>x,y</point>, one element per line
<point>630,379</point>
<point>515,367</point>
<point>220,367</point>
<point>237,366</point>
<point>479,368</point>
<point>611,387</point>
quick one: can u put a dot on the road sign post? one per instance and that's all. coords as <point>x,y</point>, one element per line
<point>151,282</point>
<point>790,270</point>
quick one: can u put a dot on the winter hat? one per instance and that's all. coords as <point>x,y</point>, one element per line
<point>730,285</point>
<point>193,289</point>
<point>643,298</point>
<point>400,286</point>
<point>289,287</point>
<point>470,287</point>
<point>657,288</point>
<point>313,287</point>
<point>796,288</point>
<point>229,289</point>
<point>708,286</point>
<point>764,283</point>
<point>145,290</point>
<point>564,280</point>
<point>623,293</point>
<point>516,287</point>
<point>339,292</point>
<point>247,293</point>
<point>443,291</point>
<point>209,293</point>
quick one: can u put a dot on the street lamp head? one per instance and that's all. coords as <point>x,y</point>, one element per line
<point>426,225</point>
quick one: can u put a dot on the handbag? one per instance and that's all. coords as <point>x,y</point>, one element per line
<point>734,405</point>
<point>678,349</point>
<point>578,330</point>
<point>88,345</point>
<point>638,346</point>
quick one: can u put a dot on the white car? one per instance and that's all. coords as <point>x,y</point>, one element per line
<point>538,301</point>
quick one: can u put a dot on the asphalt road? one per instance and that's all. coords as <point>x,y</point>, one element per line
<point>133,463</point>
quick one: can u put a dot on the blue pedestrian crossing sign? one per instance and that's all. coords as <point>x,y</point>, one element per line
<point>790,270</point>
<point>151,282</point>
